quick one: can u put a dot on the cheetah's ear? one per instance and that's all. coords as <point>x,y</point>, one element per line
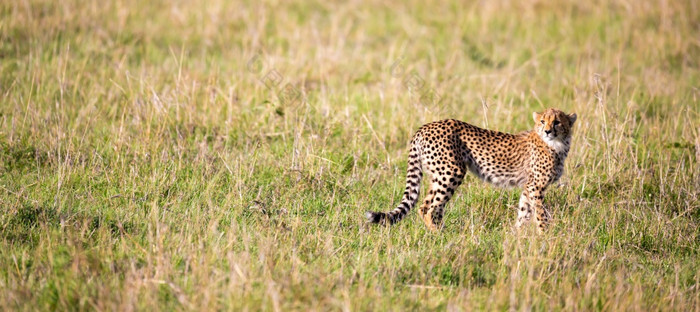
<point>536,116</point>
<point>572,118</point>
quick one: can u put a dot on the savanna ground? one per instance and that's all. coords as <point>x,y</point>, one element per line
<point>204,155</point>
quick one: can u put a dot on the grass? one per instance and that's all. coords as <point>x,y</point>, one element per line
<point>211,155</point>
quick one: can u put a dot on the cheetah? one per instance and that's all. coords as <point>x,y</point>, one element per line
<point>447,149</point>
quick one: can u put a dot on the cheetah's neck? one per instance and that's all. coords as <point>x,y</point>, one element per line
<point>559,147</point>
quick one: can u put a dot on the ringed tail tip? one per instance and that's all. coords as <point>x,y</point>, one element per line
<point>374,217</point>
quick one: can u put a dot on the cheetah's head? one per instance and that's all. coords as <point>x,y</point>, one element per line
<point>554,127</point>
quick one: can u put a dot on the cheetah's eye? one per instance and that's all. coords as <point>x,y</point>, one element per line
<point>556,122</point>
<point>542,121</point>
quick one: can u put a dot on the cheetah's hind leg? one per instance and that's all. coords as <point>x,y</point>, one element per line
<point>442,187</point>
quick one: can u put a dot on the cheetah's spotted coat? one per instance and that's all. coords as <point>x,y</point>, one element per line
<point>447,149</point>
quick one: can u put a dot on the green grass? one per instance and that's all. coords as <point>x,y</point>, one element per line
<point>145,164</point>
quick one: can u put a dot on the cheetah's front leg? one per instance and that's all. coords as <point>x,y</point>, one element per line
<point>531,201</point>
<point>536,198</point>
<point>524,211</point>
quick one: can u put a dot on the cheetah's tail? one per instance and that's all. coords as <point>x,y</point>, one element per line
<point>410,195</point>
